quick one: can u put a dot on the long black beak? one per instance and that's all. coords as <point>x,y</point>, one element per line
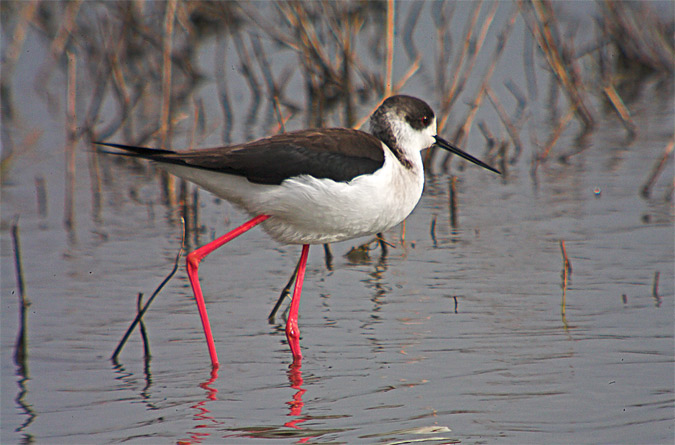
<point>452,149</point>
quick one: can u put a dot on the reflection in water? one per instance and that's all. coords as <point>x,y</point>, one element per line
<point>296,404</point>
<point>292,428</point>
<point>24,407</point>
<point>21,346</point>
<point>128,378</point>
<point>203,416</point>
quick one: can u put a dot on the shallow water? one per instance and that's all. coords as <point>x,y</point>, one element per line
<point>455,336</point>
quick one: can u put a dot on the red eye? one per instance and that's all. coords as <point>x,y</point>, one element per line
<point>426,121</point>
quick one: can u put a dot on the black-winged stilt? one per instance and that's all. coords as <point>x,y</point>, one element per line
<point>313,186</point>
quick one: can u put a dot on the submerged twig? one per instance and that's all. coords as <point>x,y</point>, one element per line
<point>432,231</point>
<point>41,192</point>
<point>285,292</point>
<point>328,256</point>
<point>566,262</point>
<point>453,201</point>
<point>141,326</point>
<point>566,272</point>
<point>655,289</point>
<point>142,312</point>
<point>20,351</point>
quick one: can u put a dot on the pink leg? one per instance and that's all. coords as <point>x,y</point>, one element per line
<point>193,260</point>
<point>292,331</point>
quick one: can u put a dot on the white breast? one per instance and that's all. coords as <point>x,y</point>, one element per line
<point>306,210</point>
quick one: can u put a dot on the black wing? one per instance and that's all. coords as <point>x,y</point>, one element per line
<point>339,154</point>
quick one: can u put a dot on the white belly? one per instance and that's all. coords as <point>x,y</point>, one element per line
<point>306,210</point>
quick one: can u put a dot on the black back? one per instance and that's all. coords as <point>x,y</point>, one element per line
<point>339,154</point>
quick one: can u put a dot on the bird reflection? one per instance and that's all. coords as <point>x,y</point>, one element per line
<point>203,416</point>
<point>296,404</point>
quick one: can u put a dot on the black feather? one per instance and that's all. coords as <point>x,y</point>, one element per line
<point>339,154</point>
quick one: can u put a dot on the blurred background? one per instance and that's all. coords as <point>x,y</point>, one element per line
<point>532,307</point>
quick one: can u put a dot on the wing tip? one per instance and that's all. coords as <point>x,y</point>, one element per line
<point>133,150</point>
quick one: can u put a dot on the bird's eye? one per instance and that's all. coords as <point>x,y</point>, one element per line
<point>426,120</point>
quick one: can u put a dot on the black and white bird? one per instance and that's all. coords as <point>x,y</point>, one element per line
<point>313,186</point>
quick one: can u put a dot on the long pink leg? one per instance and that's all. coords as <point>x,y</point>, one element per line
<point>193,260</point>
<point>292,331</point>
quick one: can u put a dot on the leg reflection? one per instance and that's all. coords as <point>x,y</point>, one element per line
<point>295,378</point>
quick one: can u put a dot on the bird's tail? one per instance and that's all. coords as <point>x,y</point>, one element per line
<point>134,151</point>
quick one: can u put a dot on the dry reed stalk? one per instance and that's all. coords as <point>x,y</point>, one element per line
<point>13,50</point>
<point>57,48</point>
<point>519,115</point>
<point>658,168</point>
<point>510,127</point>
<point>121,88</point>
<point>247,69</point>
<point>389,60</point>
<point>529,65</point>
<point>71,123</point>
<point>280,118</point>
<point>567,264</point>
<point>96,185</point>
<point>223,98</point>
<point>555,135</point>
<point>487,134</point>
<point>265,69</point>
<point>620,108</point>
<point>459,80</point>
<point>196,117</point>
<point>317,60</point>
<point>566,274</point>
<point>397,87</point>
<point>441,18</point>
<point>408,29</point>
<point>348,55</point>
<point>453,201</point>
<point>167,47</point>
<point>28,143</point>
<point>457,85</point>
<point>541,28</point>
<point>503,161</point>
<point>195,214</point>
<point>41,193</point>
<point>408,74</point>
<point>272,29</point>
<point>521,101</point>
<point>65,32</point>
<point>10,56</point>
<point>649,46</point>
<point>462,133</point>
<point>168,181</point>
<point>563,301</point>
